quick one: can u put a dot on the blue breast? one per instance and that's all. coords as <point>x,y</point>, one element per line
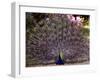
<point>59,61</point>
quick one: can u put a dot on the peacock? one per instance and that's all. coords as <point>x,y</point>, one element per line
<point>49,36</point>
<point>60,60</point>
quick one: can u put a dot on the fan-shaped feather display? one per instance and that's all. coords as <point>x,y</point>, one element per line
<point>48,35</point>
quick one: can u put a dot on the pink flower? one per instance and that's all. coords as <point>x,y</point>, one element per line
<point>78,18</point>
<point>72,18</point>
<point>75,21</point>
